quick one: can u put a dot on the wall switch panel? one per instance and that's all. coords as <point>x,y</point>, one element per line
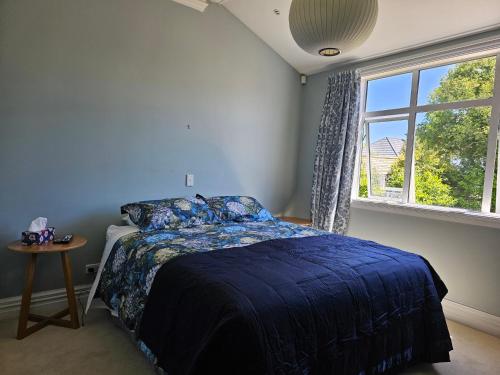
<point>190,180</point>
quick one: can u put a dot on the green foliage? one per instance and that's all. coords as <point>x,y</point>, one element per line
<point>451,145</point>
<point>429,186</point>
<point>363,181</point>
<point>396,176</point>
<point>468,80</point>
<point>458,138</point>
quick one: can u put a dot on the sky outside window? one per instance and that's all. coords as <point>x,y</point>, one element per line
<point>429,80</point>
<point>391,129</point>
<point>389,93</point>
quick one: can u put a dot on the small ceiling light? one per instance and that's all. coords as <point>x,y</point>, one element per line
<point>329,52</point>
<point>277,12</point>
<point>330,27</point>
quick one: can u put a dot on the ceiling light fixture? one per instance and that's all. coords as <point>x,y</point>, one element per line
<point>329,27</point>
<point>329,52</point>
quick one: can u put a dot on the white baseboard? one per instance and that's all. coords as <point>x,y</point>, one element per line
<point>50,300</point>
<point>471,317</point>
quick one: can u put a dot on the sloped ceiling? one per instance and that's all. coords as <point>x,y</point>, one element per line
<point>401,25</point>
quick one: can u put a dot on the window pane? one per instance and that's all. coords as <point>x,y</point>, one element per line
<point>387,158</point>
<point>389,93</point>
<point>450,157</point>
<point>363,169</point>
<point>463,81</point>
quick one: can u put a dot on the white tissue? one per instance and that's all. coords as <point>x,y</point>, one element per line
<point>37,225</point>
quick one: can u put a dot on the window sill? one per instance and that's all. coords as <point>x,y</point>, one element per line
<point>454,215</point>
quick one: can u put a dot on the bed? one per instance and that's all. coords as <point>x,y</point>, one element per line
<point>263,296</point>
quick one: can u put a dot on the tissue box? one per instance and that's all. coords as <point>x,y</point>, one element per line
<point>38,238</point>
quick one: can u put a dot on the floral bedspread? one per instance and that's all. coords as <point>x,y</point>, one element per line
<point>135,258</point>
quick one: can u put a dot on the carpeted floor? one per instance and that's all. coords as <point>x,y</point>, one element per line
<point>102,348</point>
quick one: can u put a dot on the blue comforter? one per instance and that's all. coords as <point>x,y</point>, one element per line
<point>136,257</point>
<point>316,305</point>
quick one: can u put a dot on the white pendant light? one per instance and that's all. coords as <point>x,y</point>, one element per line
<point>329,27</point>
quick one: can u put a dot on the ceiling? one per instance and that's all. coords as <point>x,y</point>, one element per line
<point>401,25</point>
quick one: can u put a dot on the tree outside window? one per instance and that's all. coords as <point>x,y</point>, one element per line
<point>450,146</point>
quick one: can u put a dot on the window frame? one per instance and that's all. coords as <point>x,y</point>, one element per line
<point>457,54</point>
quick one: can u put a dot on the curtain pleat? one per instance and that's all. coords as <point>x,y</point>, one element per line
<point>336,153</point>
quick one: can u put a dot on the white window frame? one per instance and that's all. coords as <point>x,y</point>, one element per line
<point>414,64</point>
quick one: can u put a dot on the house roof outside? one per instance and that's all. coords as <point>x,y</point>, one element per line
<point>387,147</point>
<point>383,154</point>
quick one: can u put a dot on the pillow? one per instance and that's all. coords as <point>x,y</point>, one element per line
<point>172,213</point>
<point>126,220</point>
<point>238,208</point>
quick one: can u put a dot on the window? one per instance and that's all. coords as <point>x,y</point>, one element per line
<point>388,93</point>
<point>430,136</point>
<point>383,147</point>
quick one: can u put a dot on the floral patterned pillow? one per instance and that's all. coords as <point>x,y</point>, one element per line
<point>170,213</point>
<point>238,208</point>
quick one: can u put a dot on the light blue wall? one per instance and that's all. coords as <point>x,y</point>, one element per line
<point>467,257</point>
<point>95,97</point>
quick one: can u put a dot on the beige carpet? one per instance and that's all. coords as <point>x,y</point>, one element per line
<point>102,348</point>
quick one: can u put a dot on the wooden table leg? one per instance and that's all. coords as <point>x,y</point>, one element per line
<point>70,291</point>
<point>26,300</point>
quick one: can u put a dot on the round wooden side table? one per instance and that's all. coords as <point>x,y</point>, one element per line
<point>42,321</point>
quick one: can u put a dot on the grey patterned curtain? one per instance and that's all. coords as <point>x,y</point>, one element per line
<point>336,153</point>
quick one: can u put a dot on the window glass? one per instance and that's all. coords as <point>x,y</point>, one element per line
<point>456,82</point>
<point>450,157</point>
<point>450,144</point>
<point>389,92</point>
<point>386,158</point>
<point>363,169</point>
